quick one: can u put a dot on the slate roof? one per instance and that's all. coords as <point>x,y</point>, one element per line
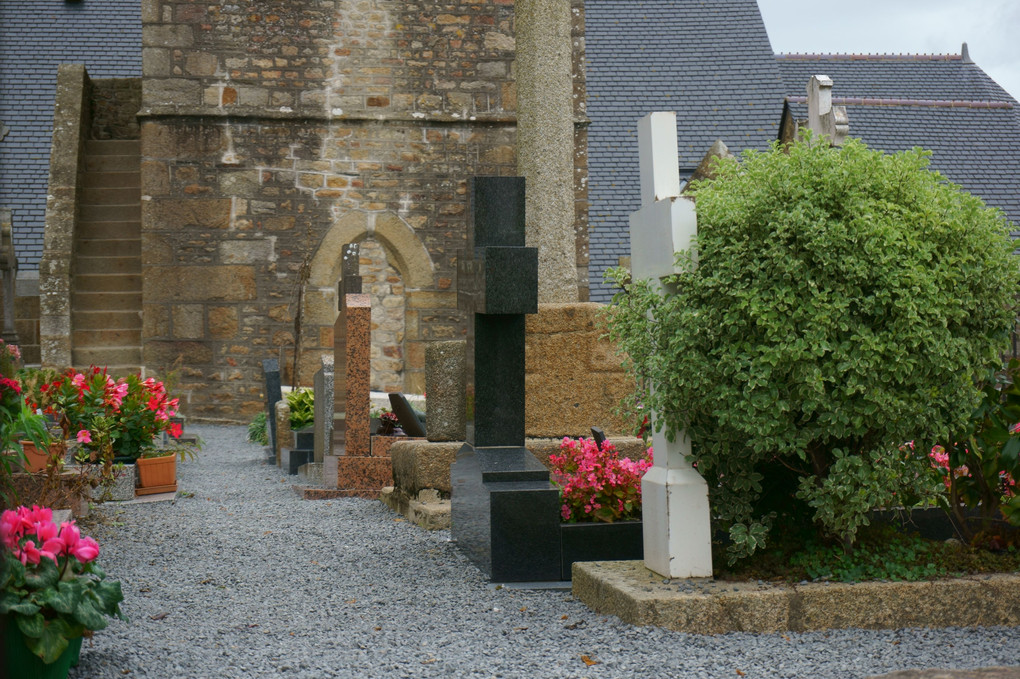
<point>943,103</point>
<point>711,62</point>
<point>35,37</point>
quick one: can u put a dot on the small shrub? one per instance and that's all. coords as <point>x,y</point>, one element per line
<point>257,430</point>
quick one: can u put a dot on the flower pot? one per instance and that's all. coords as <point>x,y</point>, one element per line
<point>157,474</point>
<point>18,661</point>
<point>36,459</point>
<point>621,541</point>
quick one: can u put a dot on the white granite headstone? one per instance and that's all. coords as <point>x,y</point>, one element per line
<point>675,513</point>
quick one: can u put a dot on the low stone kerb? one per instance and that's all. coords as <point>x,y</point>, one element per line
<point>701,606</point>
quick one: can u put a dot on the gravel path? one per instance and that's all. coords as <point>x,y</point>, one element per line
<point>240,578</point>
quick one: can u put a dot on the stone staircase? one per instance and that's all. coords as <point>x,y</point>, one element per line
<point>106,304</point>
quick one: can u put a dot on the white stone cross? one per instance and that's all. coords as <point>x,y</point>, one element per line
<point>675,513</point>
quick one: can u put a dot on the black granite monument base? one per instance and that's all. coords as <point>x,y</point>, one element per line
<point>505,514</point>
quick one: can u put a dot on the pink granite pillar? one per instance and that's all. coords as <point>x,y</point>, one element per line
<point>357,373</point>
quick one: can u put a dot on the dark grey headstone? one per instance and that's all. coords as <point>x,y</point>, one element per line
<point>271,371</point>
<point>598,436</point>
<point>504,510</point>
<point>408,418</point>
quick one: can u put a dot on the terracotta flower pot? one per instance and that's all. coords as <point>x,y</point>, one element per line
<point>157,474</point>
<point>36,459</point>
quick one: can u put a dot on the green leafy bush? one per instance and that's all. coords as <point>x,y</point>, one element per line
<point>302,408</point>
<point>257,430</point>
<point>843,303</point>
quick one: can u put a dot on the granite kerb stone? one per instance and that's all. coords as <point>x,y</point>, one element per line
<point>638,596</point>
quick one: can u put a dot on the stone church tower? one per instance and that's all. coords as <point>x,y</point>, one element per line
<point>272,133</point>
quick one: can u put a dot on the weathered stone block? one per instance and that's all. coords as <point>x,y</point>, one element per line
<point>423,464</point>
<point>199,283</point>
<point>187,321</point>
<point>445,375</point>
<point>172,92</point>
<point>180,213</point>
<point>222,322</point>
<point>246,251</point>
<point>167,35</point>
<point>166,353</point>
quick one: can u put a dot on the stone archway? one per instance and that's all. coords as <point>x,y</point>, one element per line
<point>403,250</point>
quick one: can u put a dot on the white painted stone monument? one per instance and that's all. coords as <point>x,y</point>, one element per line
<point>824,119</point>
<point>675,513</point>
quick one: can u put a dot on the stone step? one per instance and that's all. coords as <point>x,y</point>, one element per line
<point>106,301</point>
<point>113,147</point>
<point>87,265</point>
<point>107,283</point>
<point>112,180</point>
<point>112,163</point>
<point>83,339</point>
<point>109,247</point>
<point>108,230</point>
<point>97,320</point>
<point>110,213</point>
<point>116,358</point>
<point>111,196</point>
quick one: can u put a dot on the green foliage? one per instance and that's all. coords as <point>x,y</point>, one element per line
<point>897,558</point>
<point>843,302</point>
<point>258,432</point>
<point>985,458</point>
<point>302,408</point>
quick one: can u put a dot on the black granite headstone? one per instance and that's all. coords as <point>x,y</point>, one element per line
<point>407,416</point>
<point>504,510</point>
<point>598,436</point>
<point>350,276</point>
<point>271,370</point>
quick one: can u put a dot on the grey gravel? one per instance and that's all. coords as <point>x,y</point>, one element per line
<point>238,577</point>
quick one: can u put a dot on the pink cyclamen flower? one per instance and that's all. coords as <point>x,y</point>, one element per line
<point>85,550</point>
<point>84,436</point>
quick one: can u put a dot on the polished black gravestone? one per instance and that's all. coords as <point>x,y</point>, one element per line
<point>409,419</point>
<point>271,370</point>
<point>504,510</point>
<point>303,451</point>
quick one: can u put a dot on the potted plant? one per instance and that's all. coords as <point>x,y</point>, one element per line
<point>114,420</point>
<point>157,469</point>
<point>51,592</point>
<point>18,423</point>
<point>601,502</point>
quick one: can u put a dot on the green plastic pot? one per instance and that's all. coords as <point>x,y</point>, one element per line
<point>18,661</point>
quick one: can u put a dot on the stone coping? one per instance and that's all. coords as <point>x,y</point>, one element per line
<point>638,596</point>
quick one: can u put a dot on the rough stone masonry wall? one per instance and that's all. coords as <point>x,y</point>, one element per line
<point>270,130</point>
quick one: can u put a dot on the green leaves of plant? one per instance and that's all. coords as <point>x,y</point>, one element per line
<point>45,575</point>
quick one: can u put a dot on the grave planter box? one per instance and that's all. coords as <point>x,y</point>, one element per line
<point>621,541</point>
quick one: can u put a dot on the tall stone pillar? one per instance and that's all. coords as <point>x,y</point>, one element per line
<point>545,141</point>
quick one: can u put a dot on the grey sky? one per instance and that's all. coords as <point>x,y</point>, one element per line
<point>991,29</point>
